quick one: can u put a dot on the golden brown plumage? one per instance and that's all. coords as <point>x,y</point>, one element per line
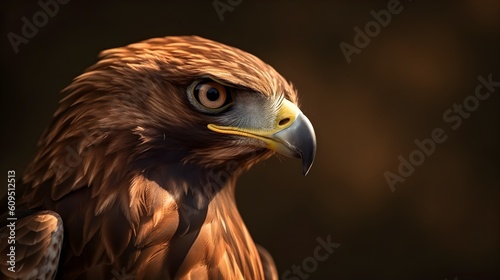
<point>142,170</point>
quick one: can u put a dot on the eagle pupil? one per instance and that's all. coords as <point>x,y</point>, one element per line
<point>213,94</point>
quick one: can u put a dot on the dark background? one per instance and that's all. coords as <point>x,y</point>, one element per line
<point>442,222</point>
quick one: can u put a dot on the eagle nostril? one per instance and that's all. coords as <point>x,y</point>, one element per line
<point>284,121</point>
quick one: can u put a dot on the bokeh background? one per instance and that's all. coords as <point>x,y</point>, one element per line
<point>442,222</point>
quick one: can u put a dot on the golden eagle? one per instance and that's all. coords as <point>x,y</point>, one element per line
<point>135,177</point>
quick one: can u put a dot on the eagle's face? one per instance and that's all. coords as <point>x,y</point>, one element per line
<point>192,100</point>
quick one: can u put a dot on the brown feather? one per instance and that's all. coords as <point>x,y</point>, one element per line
<point>143,187</point>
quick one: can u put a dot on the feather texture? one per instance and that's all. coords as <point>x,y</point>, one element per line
<point>143,188</point>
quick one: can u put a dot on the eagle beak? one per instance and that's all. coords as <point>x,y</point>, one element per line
<point>292,135</point>
<point>297,141</point>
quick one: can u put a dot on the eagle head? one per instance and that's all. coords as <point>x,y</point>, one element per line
<point>176,100</point>
<point>198,101</point>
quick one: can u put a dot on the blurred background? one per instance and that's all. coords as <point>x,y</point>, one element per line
<point>442,222</point>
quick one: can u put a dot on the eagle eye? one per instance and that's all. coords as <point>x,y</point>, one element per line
<point>211,97</point>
